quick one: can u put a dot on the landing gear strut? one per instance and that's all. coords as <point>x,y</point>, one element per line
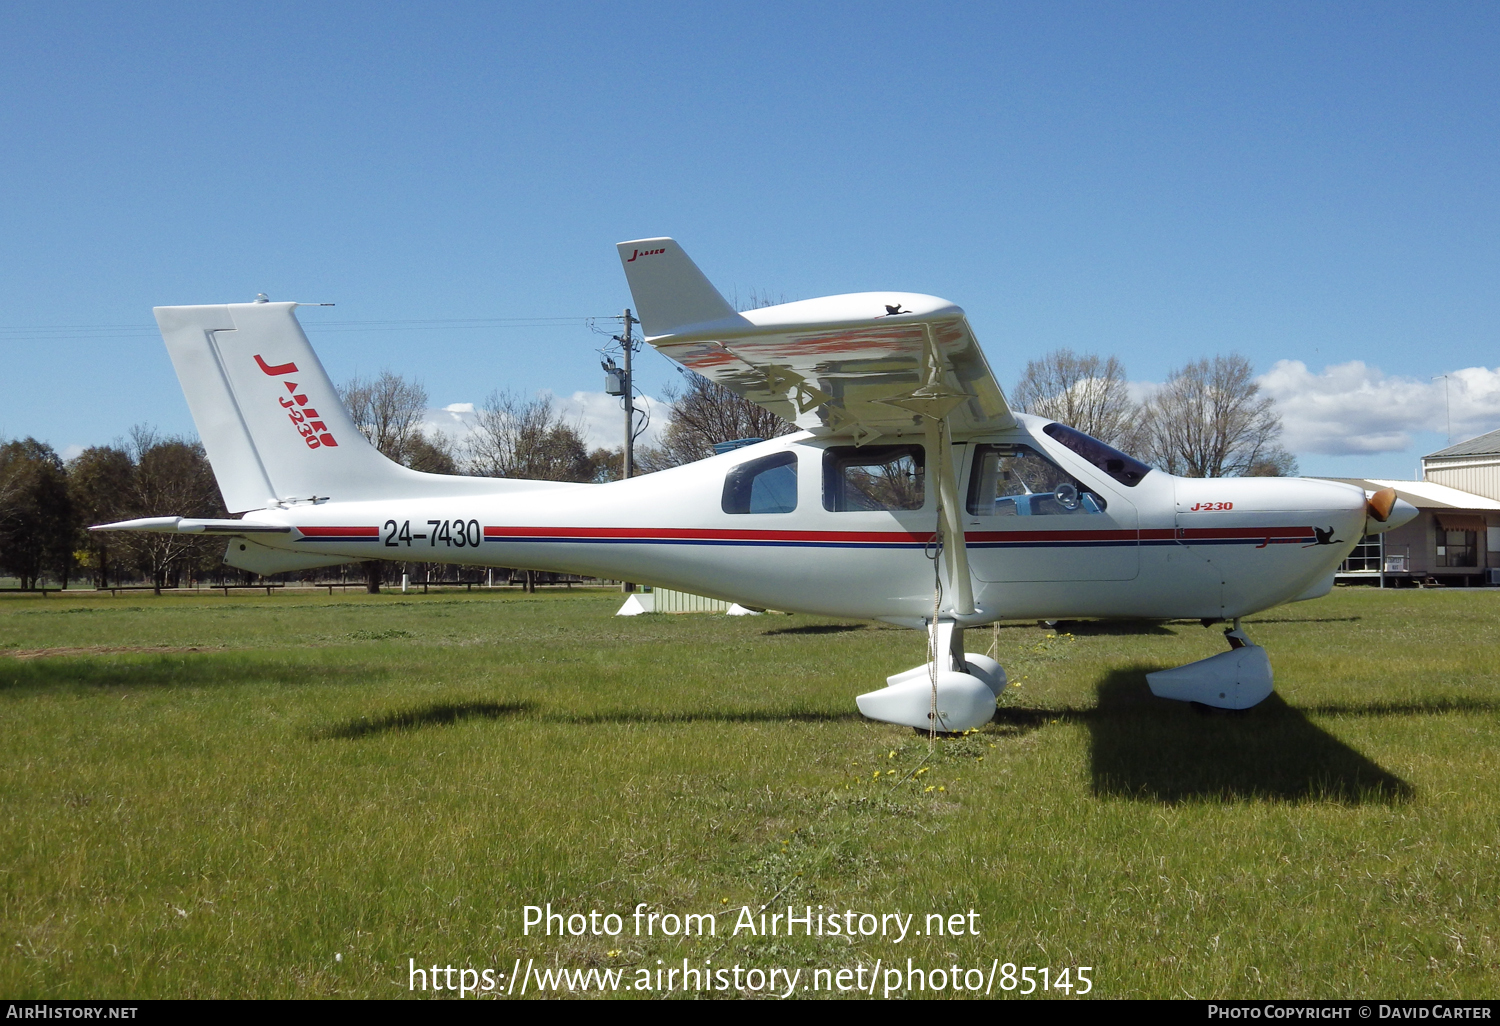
<point>1237,679</point>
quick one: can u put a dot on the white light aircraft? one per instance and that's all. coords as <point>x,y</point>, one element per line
<point>912,493</point>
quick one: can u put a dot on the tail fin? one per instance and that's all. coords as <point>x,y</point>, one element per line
<point>670,292</point>
<point>270,419</point>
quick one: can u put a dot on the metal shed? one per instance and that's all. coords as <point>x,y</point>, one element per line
<point>1472,465</point>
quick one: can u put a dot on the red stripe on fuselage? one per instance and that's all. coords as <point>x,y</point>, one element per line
<point>1193,533</point>
<point>704,534</point>
<point>854,537</point>
<point>1046,536</point>
<point>915,537</point>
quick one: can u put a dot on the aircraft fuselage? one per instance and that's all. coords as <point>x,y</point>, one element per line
<point>1164,547</point>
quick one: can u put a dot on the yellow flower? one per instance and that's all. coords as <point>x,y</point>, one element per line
<point>927,788</point>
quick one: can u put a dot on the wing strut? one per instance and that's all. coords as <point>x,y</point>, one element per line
<point>934,401</point>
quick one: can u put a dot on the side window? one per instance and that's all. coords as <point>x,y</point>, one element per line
<point>874,477</point>
<point>766,485</point>
<point>1016,480</point>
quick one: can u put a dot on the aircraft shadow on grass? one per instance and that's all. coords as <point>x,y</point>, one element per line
<point>1112,628</point>
<point>439,714</point>
<point>142,670</point>
<point>445,713</point>
<point>1151,749</point>
<point>817,628</point>
<point>1122,628</point>
<point>1303,619</point>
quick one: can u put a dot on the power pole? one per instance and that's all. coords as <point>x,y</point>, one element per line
<point>628,345</point>
<point>628,461</point>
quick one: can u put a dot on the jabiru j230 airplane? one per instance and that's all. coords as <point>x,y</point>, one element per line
<point>912,493</point>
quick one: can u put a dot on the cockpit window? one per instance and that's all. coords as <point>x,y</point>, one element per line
<point>873,477</point>
<point>766,485</point>
<point>1018,481</point>
<point>1125,469</point>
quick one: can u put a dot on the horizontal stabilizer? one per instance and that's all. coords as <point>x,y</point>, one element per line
<point>185,525</point>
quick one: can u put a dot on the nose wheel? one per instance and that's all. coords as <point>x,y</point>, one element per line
<point>1237,679</point>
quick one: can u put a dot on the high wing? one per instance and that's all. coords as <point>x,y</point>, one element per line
<point>866,365</point>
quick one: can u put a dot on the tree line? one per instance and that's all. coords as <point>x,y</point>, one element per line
<point>46,506</point>
<point>1208,420</point>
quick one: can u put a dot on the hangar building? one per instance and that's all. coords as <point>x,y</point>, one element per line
<point>1455,539</point>
<point>1473,466</point>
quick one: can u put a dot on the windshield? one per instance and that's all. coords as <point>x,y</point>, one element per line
<point>1125,469</point>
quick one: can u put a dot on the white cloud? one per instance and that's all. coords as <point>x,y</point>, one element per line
<point>1353,408</point>
<point>456,420</point>
<point>600,418</point>
<point>597,417</point>
<point>71,452</point>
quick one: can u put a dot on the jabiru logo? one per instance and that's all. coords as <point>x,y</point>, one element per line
<point>641,253</point>
<point>313,431</point>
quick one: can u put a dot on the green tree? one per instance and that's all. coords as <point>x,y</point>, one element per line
<point>1081,391</point>
<point>704,412</point>
<point>172,478</point>
<point>37,522</point>
<point>101,481</point>
<point>431,454</point>
<point>1210,420</point>
<point>525,439</point>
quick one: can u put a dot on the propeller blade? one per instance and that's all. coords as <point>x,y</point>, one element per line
<point>1379,505</point>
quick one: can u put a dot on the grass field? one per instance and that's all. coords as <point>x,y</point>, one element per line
<point>294,795</point>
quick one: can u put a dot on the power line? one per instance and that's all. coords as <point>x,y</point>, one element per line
<point>99,332</point>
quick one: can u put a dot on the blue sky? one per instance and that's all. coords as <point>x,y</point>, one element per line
<point>1305,184</point>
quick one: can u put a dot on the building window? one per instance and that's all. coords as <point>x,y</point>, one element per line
<point>1457,548</point>
<point>1365,557</point>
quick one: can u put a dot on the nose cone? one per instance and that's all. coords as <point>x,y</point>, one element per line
<point>1402,512</point>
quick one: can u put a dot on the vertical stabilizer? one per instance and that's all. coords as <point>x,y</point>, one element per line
<point>270,419</point>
